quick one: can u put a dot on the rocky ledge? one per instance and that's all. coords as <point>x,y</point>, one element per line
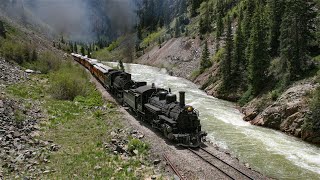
<point>288,113</point>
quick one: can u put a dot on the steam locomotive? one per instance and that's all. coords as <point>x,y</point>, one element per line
<point>157,106</point>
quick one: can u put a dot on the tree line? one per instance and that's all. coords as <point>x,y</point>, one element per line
<point>257,33</point>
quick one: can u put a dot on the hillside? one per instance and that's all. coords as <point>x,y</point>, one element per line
<point>250,58</point>
<point>53,121</point>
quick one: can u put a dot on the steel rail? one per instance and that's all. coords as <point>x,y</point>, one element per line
<point>226,163</point>
<point>173,168</point>
<point>221,170</point>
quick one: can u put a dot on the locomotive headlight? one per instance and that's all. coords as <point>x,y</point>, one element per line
<point>190,109</point>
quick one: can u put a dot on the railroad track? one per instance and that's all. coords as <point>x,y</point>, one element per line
<point>219,164</point>
<point>174,168</point>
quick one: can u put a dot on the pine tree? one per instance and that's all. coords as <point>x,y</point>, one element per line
<point>177,28</point>
<point>82,51</point>
<point>89,53</point>
<point>34,56</point>
<point>238,64</point>
<point>139,33</point>
<point>219,25</point>
<point>75,47</point>
<point>219,16</point>
<point>257,53</point>
<point>205,58</point>
<point>159,42</point>
<point>226,67</point>
<point>120,66</point>
<point>296,31</point>
<point>276,9</point>
<point>2,30</point>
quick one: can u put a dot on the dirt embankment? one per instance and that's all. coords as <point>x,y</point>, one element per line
<point>182,56</point>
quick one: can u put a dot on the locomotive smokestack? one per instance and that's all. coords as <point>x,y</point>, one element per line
<point>182,98</point>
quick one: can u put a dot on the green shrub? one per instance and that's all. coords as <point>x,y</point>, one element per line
<point>313,121</point>
<point>68,83</point>
<point>15,51</point>
<point>136,144</point>
<point>274,94</point>
<point>246,97</point>
<point>46,63</point>
<point>219,55</point>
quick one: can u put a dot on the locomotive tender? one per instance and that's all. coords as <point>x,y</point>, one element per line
<point>157,106</point>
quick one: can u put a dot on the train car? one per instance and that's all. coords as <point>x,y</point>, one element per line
<point>160,108</point>
<point>136,98</point>
<point>99,73</point>
<point>177,121</point>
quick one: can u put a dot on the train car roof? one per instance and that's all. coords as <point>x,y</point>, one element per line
<point>107,68</point>
<point>143,89</point>
<point>100,69</point>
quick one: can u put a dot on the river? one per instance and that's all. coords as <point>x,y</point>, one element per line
<point>270,152</point>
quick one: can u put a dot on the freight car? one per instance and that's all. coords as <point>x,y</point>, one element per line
<point>157,106</point>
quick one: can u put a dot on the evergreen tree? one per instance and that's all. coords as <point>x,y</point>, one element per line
<point>219,25</point>
<point>89,53</point>
<point>75,48</point>
<point>62,39</point>
<point>195,4</point>
<point>219,16</point>
<point>177,28</point>
<point>257,53</point>
<point>159,42</point>
<point>139,32</point>
<point>238,64</point>
<point>205,58</point>
<point>296,31</point>
<point>182,7</point>
<point>276,9</point>
<point>34,56</point>
<point>121,66</point>
<point>2,30</point>
<point>226,67</point>
<point>82,51</point>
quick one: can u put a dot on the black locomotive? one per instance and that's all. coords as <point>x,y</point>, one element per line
<point>157,106</point>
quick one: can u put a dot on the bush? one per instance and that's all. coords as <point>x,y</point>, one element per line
<point>313,121</point>
<point>246,97</point>
<point>46,63</point>
<point>136,144</point>
<point>274,94</point>
<point>68,83</point>
<point>17,52</point>
<point>219,55</point>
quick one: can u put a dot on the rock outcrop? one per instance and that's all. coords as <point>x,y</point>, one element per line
<point>288,113</point>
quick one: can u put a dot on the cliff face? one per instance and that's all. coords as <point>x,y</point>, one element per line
<point>288,113</point>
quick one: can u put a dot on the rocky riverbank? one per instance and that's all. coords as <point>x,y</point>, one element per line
<point>288,113</point>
